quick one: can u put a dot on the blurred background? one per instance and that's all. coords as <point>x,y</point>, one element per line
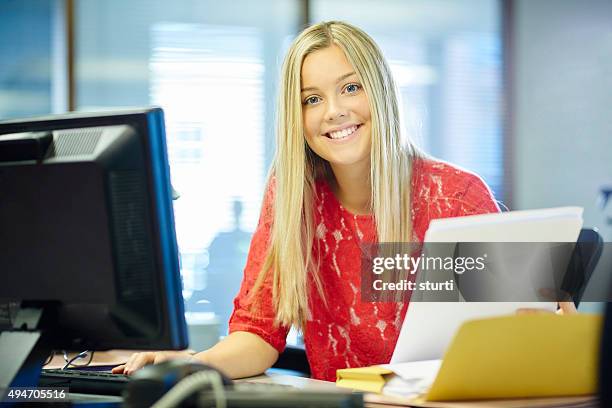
<point>518,91</point>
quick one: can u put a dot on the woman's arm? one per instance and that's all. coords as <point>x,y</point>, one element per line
<point>241,354</point>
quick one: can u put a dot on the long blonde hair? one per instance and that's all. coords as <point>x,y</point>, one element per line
<point>296,167</point>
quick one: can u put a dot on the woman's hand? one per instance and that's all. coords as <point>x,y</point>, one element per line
<point>565,308</point>
<point>238,355</point>
<point>139,360</point>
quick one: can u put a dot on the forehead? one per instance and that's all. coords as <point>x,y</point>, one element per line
<point>324,67</point>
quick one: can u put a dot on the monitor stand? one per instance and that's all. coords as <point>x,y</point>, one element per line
<point>24,348</point>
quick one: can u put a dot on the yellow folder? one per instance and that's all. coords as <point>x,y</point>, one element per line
<point>539,355</point>
<point>370,379</point>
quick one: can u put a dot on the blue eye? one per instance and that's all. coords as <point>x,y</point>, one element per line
<point>352,88</point>
<point>311,100</point>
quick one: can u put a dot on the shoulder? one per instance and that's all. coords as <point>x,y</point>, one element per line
<point>447,190</point>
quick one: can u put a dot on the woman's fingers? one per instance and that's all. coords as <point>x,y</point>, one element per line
<point>119,369</point>
<point>139,360</point>
<point>567,308</point>
<point>135,362</point>
<point>528,311</point>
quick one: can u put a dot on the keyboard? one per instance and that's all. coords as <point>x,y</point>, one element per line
<point>84,381</point>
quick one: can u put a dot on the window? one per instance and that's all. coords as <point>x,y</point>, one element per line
<point>214,72</point>
<point>210,80</point>
<point>26,68</point>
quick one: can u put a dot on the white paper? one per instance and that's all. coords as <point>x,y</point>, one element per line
<point>411,379</point>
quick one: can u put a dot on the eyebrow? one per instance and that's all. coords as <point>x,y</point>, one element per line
<point>312,88</point>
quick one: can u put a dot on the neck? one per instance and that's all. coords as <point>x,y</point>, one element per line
<point>352,186</point>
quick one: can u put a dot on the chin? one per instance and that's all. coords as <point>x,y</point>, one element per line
<point>348,160</point>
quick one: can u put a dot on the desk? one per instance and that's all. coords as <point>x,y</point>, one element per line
<point>274,376</point>
<point>115,357</point>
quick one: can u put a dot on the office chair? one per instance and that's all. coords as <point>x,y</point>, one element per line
<point>582,263</point>
<point>293,358</point>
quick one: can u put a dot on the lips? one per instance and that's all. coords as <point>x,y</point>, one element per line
<point>342,133</point>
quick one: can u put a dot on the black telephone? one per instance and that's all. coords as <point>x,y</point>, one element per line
<point>152,382</point>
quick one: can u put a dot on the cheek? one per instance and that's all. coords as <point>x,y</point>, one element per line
<point>312,123</point>
<point>363,108</point>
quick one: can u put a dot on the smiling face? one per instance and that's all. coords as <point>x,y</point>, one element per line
<point>335,109</point>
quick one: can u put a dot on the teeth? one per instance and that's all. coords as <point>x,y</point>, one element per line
<point>342,133</point>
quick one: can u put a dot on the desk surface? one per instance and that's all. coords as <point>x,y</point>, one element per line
<point>274,377</point>
<point>114,357</point>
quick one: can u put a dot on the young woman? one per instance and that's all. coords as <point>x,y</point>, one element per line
<point>343,175</point>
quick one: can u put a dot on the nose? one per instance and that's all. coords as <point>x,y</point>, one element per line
<point>335,109</point>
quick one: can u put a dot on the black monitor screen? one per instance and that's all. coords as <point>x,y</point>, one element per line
<point>87,229</point>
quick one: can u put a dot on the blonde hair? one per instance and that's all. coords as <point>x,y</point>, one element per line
<point>295,167</point>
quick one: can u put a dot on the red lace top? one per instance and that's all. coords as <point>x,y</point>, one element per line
<point>351,333</point>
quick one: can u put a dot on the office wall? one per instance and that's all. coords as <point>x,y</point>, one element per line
<point>562,87</point>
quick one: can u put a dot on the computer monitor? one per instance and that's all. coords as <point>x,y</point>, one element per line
<point>87,238</point>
